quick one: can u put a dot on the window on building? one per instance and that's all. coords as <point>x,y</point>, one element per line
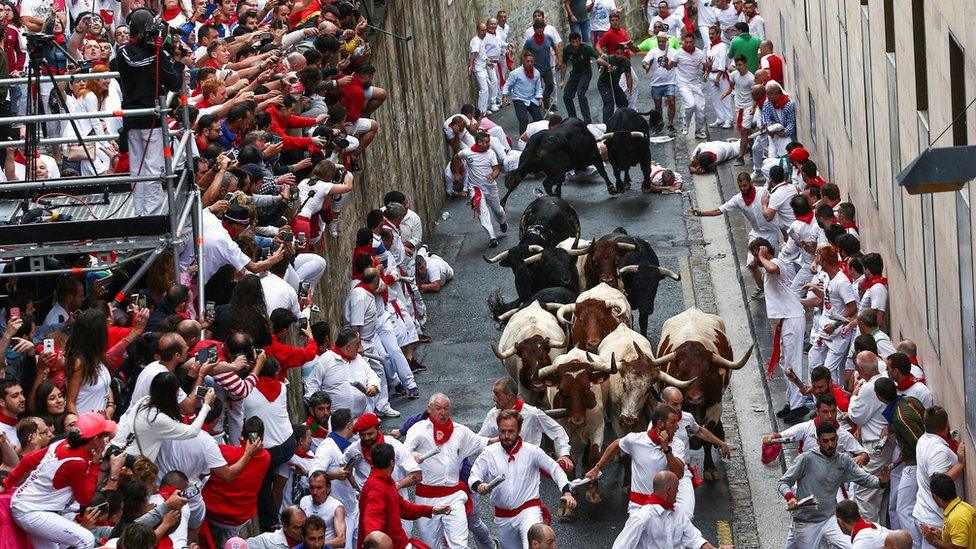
<point>812,113</point>
<point>845,70</point>
<point>869,141</point>
<point>796,71</point>
<point>894,139</point>
<point>830,162</point>
<point>957,91</point>
<point>921,65</point>
<point>889,25</point>
<point>929,246</point>
<point>783,44</point>
<point>806,17</point>
<point>967,304</point>
<point>824,50</point>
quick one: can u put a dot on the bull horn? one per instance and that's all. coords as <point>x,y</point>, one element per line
<point>561,312</point>
<point>663,360</point>
<point>626,246</point>
<point>668,273</point>
<point>604,137</point>
<point>737,365</point>
<point>627,270</point>
<point>637,135</point>
<point>575,243</point>
<point>589,357</point>
<point>545,372</point>
<point>613,363</point>
<point>640,352</point>
<point>553,306</point>
<point>673,381</point>
<point>532,259</point>
<point>557,413</point>
<point>557,344</point>
<point>502,356</point>
<point>498,258</point>
<point>535,248</point>
<point>506,315</point>
<point>576,252</point>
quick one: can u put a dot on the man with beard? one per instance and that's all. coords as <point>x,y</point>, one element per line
<point>441,472</point>
<point>516,499</point>
<point>329,458</point>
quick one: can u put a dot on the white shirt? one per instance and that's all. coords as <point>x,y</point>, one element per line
<point>687,427</point>
<point>278,294</point>
<point>10,431</point>
<point>752,213</point>
<point>478,165</point>
<point>600,15</point>
<point>757,27</point>
<point>493,47</point>
<point>689,69</point>
<point>726,19</point>
<point>535,423</point>
<point>648,459</point>
<point>781,300</point>
<point>870,538</point>
<point>327,458</point>
<point>314,204</point>
<point>277,426</point>
<point>438,269</point>
<point>837,294</point>
<point>93,395</point>
<point>502,33</point>
<point>477,47</point>
<point>779,200</point>
<point>672,24</point>
<point>875,297</point>
<point>144,382</point>
<point>921,392</point>
<point>466,139</point>
<point>521,482</point>
<point>178,536</point>
<point>742,88</point>
<point>654,527</point>
<point>57,315</point>
<point>443,468</point>
<point>405,464</point>
<point>806,436</point>
<point>932,455</point>
<point>219,248</point>
<point>661,76</point>
<point>533,128</point>
<point>719,56</point>
<point>360,311</point>
<point>723,150</point>
<point>195,457</point>
<point>865,411</point>
<point>325,510</point>
<point>411,228</point>
<point>332,374</point>
<point>800,231</point>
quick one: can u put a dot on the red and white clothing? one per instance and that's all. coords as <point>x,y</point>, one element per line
<point>441,483</point>
<point>335,374</point>
<point>757,26</point>
<point>783,306</point>
<point>8,428</point>
<point>774,64</point>
<point>932,455</point>
<point>721,150</point>
<point>805,434</point>
<point>687,426</point>
<point>910,386</point>
<point>648,460</point>
<point>868,535</point>
<point>478,165</point>
<point>688,79</point>
<point>718,82</point>
<point>779,200</point>
<point>516,499</point>
<point>658,525</point>
<point>751,208</point>
<point>535,423</point>
<point>837,294</point>
<point>176,538</point>
<point>405,464</point>
<point>803,230</point>
<point>61,479</point>
<point>269,401</point>
<point>874,294</point>
<point>325,510</point>
<point>93,394</point>
<point>328,457</point>
<point>742,95</point>
<point>196,458</point>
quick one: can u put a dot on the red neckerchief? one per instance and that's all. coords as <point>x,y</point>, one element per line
<point>845,267</point>
<point>165,492</point>
<point>519,403</point>
<point>877,279</point>
<point>817,422</point>
<point>761,101</point>
<point>515,449</point>
<point>366,287</point>
<point>539,38</point>
<point>318,431</point>
<point>442,431</point>
<point>7,420</point>
<point>171,13</point>
<point>655,438</point>
<point>366,456</point>
<point>396,309</point>
<point>749,196</point>
<point>861,524</point>
<point>806,218</point>
<point>269,387</point>
<point>653,499</point>
<point>906,382</point>
<point>817,182</point>
<point>953,444</point>
<point>303,454</point>
<point>530,73</point>
<point>714,43</point>
<point>783,100</point>
<point>689,49</point>
<point>478,149</point>
<point>912,359</point>
<point>348,358</point>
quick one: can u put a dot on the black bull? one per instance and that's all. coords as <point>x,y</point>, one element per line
<point>628,144</point>
<point>555,152</point>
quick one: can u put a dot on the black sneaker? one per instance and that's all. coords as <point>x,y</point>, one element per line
<point>782,413</point>
<point>417,367</point>
<point>739,161</point>
<point>796,415</point>
<point>671,131</point>
<point>493,243</point>
<point>503,228</point>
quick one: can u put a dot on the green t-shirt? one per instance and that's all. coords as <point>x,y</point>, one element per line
<point>579,58</point>
<point>746,45</point>
<point>651,43</point>
<point>619,65</point>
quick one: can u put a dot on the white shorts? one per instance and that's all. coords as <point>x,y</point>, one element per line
<point>361,126</point>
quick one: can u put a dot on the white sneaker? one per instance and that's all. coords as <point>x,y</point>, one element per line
<point>389,413</point>
<point>494,109</point>
<point>684,131</point>
<point>727,125</point>
<point>334,228</point>
<point>701,135</point>
<point>715,124</point>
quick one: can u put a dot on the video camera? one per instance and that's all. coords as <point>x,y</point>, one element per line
<point>336,141</point>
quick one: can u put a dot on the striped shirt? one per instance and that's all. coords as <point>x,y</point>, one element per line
<point>905,417</point>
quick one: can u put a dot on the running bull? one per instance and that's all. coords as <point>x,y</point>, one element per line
<point>628,144</point>
<point>531,340</point>
<point>596,313</point>
<point>694,346</point>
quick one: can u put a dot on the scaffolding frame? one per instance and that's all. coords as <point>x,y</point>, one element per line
<point>132,238</point>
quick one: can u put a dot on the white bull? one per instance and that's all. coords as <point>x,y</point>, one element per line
<point>532,339</point>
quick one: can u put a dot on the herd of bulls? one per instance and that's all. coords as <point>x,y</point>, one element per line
<point>568,337</point>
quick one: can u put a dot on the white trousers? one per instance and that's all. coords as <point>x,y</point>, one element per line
<point>490,206</point>
<point>693,101</point>
<point>836,359</point>
<point>893,522</point>
<point>395,361</point>
<point>308,268</point>
<point>907,492</point>
<point>146,157</point>
<point>759,146</point>
<point>352,528</point>
<point>803,276</point>
<point>814,535</point>
<point>48,530</point>
<point>482,79</point>
<point>685,501</point>
<point>871,500</point>
<point>452,528</point>
<point>492,86</point>
<point>724,112</point>
<point>792,335</point>
<point>513,533</point>
<point>381,402</point>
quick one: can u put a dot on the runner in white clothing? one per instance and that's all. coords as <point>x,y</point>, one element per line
<point>535,422</point>
<point>801,242</point>
<point>516,499</point>
<point>708,155</point>
<point>329,458</point>
<point>478,66</point>
<point>935,452</point>
<point>482,167</point>
<point>319,502</point>
<point>657,525</point>
<point>839,307</point>
<point>717,66</point>
<point>776,204</point>
<point>339,370</point>
<point>690,65</point>
<point>805,433</point>
<point>441,483</point>
<point>864,533</point>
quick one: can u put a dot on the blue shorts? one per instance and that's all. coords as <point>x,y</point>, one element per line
<point>660,92</point>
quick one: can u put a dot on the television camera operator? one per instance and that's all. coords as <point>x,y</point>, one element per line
<point>147,70</point>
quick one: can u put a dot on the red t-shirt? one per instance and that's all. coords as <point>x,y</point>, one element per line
<point>236,502</point>
<point>353,99</point>
<point>611,38</point>
<point>775,68</point>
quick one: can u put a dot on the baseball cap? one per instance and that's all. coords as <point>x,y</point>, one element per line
<point>91,425</point>
<point>235,543</point>
<point>237,214</point>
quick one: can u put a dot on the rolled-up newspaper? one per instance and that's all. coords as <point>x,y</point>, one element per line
<point>880,445</point>
<point>806,503</point>
<point>576,483</point>
<point>782,440</point>
<point>358,385</point>
<point>353,461</point>
<point>557,413</point>
<point>495,482</point>
<point>433,452</point>
<point>371,356</point>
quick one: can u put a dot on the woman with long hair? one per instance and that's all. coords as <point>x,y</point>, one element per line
<point>245,313</point>
<point>80,99</point>
<point>315,196</point>
<point>49,401</point>
<point>15,47</point>
<point>156,418</point>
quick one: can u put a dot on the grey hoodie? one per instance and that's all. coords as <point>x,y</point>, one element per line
<point>816,474</point>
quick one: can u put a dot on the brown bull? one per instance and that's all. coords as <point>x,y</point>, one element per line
<point>694,346</point>
<point>596,313</point>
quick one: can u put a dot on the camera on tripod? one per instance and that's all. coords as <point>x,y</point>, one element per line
<point>37,42</point>
<point>157,28</point>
